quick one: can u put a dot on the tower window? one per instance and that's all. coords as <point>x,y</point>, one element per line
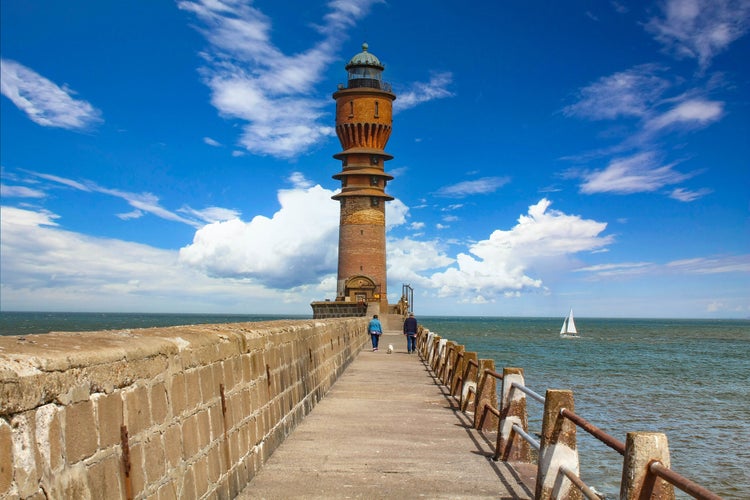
<point>374,201</point>
<point>344,181</point>
<point>373,159</point>
<point>374,180</point>
<point>376,110</point>
<point>345,162</point>
<point>351,109</point>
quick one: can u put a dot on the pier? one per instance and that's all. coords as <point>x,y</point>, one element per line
<point>298,408</point>
<point>389,429</point>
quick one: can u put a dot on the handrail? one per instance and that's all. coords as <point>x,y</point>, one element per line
<point>575,479</point>
<point>533,442</point>
<point>679,481</point>
<point>528,391</point>
<point>599,434</point>
<point>655,467</point>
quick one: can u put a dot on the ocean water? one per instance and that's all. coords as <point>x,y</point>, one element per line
<point>26,323</point>
<point>689,379</point>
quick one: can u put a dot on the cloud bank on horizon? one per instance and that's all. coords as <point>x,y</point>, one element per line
<point>278,261</point>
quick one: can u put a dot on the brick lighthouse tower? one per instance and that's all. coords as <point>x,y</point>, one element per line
<point>363,125</point>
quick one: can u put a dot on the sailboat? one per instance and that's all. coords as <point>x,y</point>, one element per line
<point>568,329</point>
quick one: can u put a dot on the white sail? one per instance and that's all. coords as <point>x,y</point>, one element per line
<point>569,326</point>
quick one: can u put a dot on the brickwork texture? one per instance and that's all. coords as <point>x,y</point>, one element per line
<point>178,412</point>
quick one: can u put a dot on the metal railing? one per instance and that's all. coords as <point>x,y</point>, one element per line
<point>473,383</point>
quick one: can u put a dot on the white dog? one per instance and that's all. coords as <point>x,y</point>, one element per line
<point>390,348</point>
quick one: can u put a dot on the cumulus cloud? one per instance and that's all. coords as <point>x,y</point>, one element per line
<point>43,264</point>
<point>484,185</point>
<point>500,264</point>
<point>281,251</point>
<point>635,174</point>
<point>700,29</point>
<point>43,101</point>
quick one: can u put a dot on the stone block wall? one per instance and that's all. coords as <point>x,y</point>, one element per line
<point>178,412</point>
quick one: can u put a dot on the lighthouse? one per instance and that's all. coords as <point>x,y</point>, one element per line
<point>364,117</point>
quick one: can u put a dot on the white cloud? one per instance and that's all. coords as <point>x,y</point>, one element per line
<point>46,267</point>
<point>693,112</point>
<point>212,142</point>
<point>282,251</point>
<point>396,213</point>
<point>685,195</point>
<point>618,269</point>
<point>435,88</point>
<point>143,203</point>
<point>211,214</point>
<point>635,174</point>
<point>44,102</point>
<point>500,264</point>
<point>700,29</point>
<point>630,93</point>
<point>712,265</point>
<point>468,188</point>
<point>7,191</point>
<point>252,80</point>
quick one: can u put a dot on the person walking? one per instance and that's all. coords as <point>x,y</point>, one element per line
<point>376,330</point>
<point>410,330</point>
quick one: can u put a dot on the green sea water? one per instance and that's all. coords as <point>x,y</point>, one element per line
<point>689,379</point>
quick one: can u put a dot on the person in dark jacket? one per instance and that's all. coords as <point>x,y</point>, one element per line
<point>410,330</point>
<point>376,330</point>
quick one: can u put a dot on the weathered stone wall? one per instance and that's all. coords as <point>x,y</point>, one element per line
<point>191,411</point>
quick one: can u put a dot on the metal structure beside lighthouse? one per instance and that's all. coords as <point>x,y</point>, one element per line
<point>364,117</point>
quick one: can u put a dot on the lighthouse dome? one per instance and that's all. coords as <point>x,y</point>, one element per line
<point>365,58</point>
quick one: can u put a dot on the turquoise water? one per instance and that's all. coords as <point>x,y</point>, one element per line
<point>689,379</point>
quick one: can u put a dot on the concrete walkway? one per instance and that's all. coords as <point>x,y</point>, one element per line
<point>387,430</point>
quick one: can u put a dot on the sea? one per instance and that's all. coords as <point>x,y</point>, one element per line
<point>689,379</point>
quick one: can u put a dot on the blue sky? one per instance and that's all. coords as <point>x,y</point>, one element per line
<point>177,156</point>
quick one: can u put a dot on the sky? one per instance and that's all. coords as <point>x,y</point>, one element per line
<point>176,156</point>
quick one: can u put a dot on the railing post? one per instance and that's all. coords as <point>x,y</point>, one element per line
<point>510,446</point>
<point>641,449</point>
<point>557,449</point>
<point>439,353</point>
<point>486,395</point>
<point>468,381</point>
<point>456,372</point>
<point>450,349</point>
<point>434,346</point>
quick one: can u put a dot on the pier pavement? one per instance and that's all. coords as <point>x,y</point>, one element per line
<point>388,429</point>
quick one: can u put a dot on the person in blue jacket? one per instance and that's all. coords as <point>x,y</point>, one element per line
<point>376,330</point>
<point>410,330</point>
